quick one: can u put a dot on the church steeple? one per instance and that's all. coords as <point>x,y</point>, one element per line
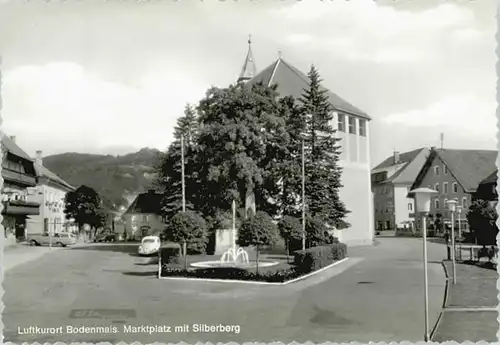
<point>249,70</point>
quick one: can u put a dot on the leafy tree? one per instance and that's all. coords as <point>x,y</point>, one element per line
<point>317,232</point>
<point>323,172</point>
<point>84,205</point>
<point>242,141</point>
<point>258,230</point>
<point>188,227</point>
<point>482,217</point>
<point>290,229</point>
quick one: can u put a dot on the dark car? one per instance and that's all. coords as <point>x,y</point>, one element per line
<point>105,237</point>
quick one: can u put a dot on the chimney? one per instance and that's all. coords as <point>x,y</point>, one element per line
<point>396,157</point>
<point>13,138</point>
<point>39,158</point>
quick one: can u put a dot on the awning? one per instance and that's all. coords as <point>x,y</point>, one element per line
<point>28,209</point>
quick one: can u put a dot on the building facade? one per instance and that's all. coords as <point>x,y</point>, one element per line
<point>50,193</point>
<point>391,182</point>
<point>454,175</point>
<point>142,218</point>
<point>353,130</point>
<point>19,175</point>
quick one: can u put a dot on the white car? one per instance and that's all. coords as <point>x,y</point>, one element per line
<point>149,245</point>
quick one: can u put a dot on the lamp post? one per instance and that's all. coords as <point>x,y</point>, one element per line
<point>459,212</point>
<point>303,195</point>
<point>452,204</point>
<point>423,202</point>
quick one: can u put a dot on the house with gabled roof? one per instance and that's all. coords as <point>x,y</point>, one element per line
<point>353,130</point>
<point>455,174</point>
<point>18,173</point>
<point>142,218</point>
<point>50,192</point>
<point>391,181</point>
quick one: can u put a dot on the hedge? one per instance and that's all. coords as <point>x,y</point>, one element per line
<point>233,273</point>
<point>315,258</point>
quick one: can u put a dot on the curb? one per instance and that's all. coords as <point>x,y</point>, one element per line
<point>445,301</point>
<point>233,281</point>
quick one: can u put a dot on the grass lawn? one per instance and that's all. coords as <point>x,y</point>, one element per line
<point>475,286</point>
<point>461,326</point>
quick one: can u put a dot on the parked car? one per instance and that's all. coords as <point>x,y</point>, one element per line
<point>61,239</point>
<point>105,237</point>
<point>149,245</point>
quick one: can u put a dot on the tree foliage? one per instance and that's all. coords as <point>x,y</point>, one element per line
<point>188,227</point>
<point>482,217</point>
<point>257,230</point>
<point>85,207</point>
<point>290,229</point>
<point>309,123</point>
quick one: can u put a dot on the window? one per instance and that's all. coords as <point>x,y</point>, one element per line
<point>362,128</point>
<point>445,169</point>
<point>341,122</point>
<point>144,218</point>
<point>436,187</point>
<point>352,125</point>
<point>464,202</point>
<point>410,207</point>
<point>454,187</point>
<point>445,204</point>
<point>436,204</point>
<point>436,171</point>
<point>445,187</point>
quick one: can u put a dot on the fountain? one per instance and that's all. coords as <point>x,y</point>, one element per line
<point>233,257</point>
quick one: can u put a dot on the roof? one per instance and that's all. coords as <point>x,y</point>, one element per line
<point>469,167</point>
<point>293,82</point>
<point>407,167</point>
<point>149,202</point>
<point>491,178</point>
<point>13,148</point>
<point>42,171</point>
<point>405,157</point>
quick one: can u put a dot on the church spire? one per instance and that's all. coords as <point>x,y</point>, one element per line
<point>249,70</point>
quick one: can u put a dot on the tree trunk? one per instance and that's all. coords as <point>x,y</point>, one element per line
<point>184,249</point>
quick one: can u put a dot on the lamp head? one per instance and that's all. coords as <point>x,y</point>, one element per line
<point>459,209</point>
<point>422,198</point>
<point>452,205</point>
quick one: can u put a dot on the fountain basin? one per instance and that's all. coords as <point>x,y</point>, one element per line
<point>218,263</point>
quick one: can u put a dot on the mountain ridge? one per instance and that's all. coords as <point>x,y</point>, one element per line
<point>117,178</point>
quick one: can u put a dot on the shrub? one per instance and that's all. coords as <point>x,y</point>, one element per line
<point>314,258</point>
<point>257,230</point>
<point>290,228</point>
<point>188,227</point>
<point>170,253</point>
<point>482,217</point>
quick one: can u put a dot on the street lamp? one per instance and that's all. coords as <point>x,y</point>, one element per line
<point>459,212</point>
<point>452,206</point>
<point>423,202</point>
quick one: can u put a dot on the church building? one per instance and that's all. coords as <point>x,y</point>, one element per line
<point>353,129</point>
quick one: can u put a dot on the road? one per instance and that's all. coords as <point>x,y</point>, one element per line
<point>379,298</point>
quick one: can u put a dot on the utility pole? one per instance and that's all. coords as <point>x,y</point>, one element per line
<point>303,195</point>
<point>182,175</point>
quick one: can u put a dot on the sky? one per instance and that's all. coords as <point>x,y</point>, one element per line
<point>112,77</point>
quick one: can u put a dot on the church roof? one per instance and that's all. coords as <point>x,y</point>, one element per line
<point>292,82</point>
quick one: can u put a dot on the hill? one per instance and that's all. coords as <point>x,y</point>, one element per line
<point>117,179</point>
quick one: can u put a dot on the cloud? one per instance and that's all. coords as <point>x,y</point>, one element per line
<point>70,105</point>
<point>462,112</point>
<point>381,34</point>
